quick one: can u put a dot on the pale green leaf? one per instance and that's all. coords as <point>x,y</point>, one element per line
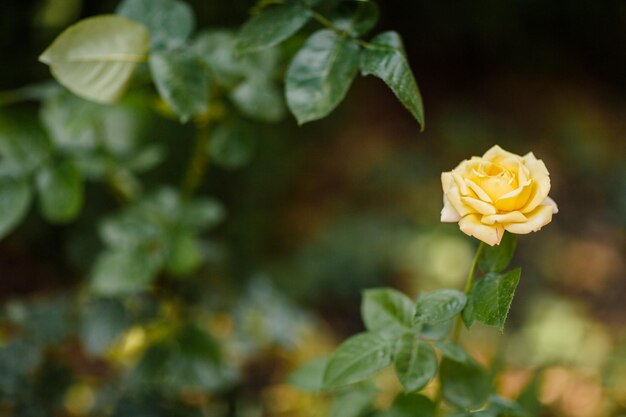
<point>320,75</point>
<point>357,358</point>
<point>496,258</point>
<point>491,297</point>
<point>385,310</point>
<point>122,272</point>
<point>271,27</point>
<point>386,60</point>
<point>310,376</point>
<point>464,385</point>
<point>170,22</point>
<point>353,403</point>
<point>182,80</point>
<point>415,362</point>
<point>60,189</point>
<point>439,306</point>
<point>453,351</point>
<point>185,253</point>
<point>96,57</point>
<point>259,99</point>
<point>15,197</point>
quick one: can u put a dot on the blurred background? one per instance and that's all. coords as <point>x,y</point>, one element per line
<point>352,202</point>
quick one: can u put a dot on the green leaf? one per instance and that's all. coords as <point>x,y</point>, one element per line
<point>231,146</point>
<point>436,331</point>
<point>464,385</point>
<point>357,358</point>
<point>60,189</point>
<point>170,22</point>
<point>103,322</point>
<point>310,376</point>
<point>182,81</point>
<point>411,405</point>
<point>507,407</point>
<point>15,197</point>
<point>259,99</point>
<point>356,17</point>
<point>23,145</point>
<point>386,60</point>
<point>96,57</point>
<point>491,297</point>
<point>354,403</point>
<point>320,75</point>
<point>185,253</point>
<point>453,351</point>
<point>202,213</point>
<point>415,362</point>
<point>496,258</point>
<point>216,49</point>
<point>439,306</point>
<point>271,27</point>
<point>387,311</point>
<point>122,272</point>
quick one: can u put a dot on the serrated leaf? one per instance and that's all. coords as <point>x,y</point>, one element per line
<point>122,272</point>
<point>464,385</point>
<point>415,362</point>
<point>385,60</point>
<point>96,57</point>
<point>170,22</point>
<point>271,27</point>
<point>356,17</point>
<point>357,358</point>
<point>491,297</point>
<point>231,146</point>
<point>15,197</point>
<point>60,189</point>
<point>310,376</point>
<point>182,81</point>
<point>439,306</point>
<point>320,75</point>
<point>453,351</point>
<point>387,311</point>
<point>496,258</point>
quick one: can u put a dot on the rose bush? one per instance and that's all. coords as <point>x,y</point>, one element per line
<point>496,192</point>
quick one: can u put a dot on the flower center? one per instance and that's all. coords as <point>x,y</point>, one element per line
<point>494,179</point>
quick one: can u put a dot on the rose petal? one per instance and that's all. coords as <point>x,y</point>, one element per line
<point>446,181</point>
<point>455,199</point>
<point>550,202</point>
<point>496,152</point>
<point>512,217</point>
<point>458,180</point>
<point>479,205</point>
<point>471,225</point>
<point>515,199</point>
<point>479,191</point>
<point>448,213</point>
<point>538,218</point>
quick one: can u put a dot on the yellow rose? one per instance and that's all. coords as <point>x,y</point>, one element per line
<point>496,192</point>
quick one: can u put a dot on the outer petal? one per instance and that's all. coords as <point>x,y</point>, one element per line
<point>471,225</point>
<point>479,205</point>
<point>538,218</point>
<point>448,213</point>
<point>550,202</point>
<point>454,197</point>
<point>446,181</point>
<point>541,182</point>
<point>496,152</point>
<point>511,217</point>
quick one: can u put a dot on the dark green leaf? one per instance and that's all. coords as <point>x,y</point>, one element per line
<point>415,362</point>
<point>122,272</point>
<point>103,322</point>
<point>491,297</point>
<point>185,253</point>
<point>356,17</point>
<point>464,385</point>
<point>357,358</point>
<point>468,315</point>
<point>60,189</point>
<point>496,258</point>
<point>354,403</point>
<point>411,405</point>
<point>385,310</point>
<point>453,351</point>
<point>310,376</point>
<point>320,75</point>
<point>385,60</point>
<point>23,146</point>
<point>15,197</point>
<point>259,99</point>
<point>182,80</point>
<point>507,407</point>
<point>170,22</point>
<point>232,145</point>
<point>439,306</point>
<point>271,27</point>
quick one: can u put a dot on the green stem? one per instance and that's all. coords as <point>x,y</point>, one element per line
<point>198,162</point>
<point>468,286</point>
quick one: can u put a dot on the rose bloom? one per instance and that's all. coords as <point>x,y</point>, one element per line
<point>496,192</point>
